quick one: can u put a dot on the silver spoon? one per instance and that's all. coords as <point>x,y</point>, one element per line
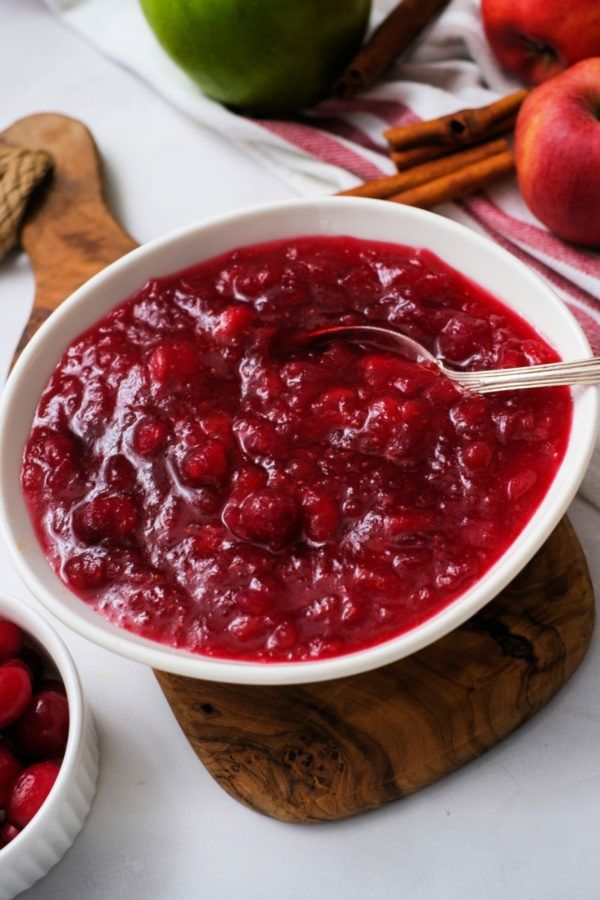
<point>584,371</point>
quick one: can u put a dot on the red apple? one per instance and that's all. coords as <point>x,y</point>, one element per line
<point>557,153</point>
<point>537,39</point>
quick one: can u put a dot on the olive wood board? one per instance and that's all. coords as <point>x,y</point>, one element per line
<point>320,752</point>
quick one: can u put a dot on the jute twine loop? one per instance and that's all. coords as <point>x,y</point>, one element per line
<point>20,173</point>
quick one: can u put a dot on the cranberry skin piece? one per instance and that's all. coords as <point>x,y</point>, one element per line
<point>8,833</point>
<point>521,484</point>
<point>43,730</point>
<point>29,792</point>
<point>269,516</point>
<point>10,769</point>
<point>11,640</point>
<point>15,694</point>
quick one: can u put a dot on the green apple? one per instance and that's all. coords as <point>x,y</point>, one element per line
<point>268,57</point>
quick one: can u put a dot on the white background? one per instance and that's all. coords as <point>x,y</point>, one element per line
<point>521,822</point>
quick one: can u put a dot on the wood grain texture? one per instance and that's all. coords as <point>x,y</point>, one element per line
<point>69,234</point>
<point>320,752</point>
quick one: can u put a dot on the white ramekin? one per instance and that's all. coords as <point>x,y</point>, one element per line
<point>472,254</point>
<point>51,832</point>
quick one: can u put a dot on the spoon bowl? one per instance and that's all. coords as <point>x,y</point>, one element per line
<point>485,381</point>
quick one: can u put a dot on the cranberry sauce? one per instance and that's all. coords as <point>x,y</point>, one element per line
<point>196,486</point>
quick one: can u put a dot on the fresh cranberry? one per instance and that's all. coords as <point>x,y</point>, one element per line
<point>16,662</point>
<point>10,767</point>
<point>11,639</point>
<point>43,730</point>
<point>30,792</point>
<point>15,694</point>
<point>8,833</point>
<point>34,663</point>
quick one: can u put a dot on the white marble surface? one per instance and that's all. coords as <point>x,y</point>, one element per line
<point>520,822</point>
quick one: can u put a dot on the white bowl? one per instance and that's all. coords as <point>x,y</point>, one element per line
<point>48,836</point>
<point>475,256</point>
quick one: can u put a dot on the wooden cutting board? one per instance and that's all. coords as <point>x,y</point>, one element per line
<point>324,751</point>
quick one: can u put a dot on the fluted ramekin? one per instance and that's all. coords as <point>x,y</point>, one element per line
<point>45,840</point>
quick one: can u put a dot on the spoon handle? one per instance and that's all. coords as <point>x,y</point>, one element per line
<point>584,371</point>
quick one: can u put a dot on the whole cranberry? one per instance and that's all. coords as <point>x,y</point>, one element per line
<point>29,792</point>
<point>267,516</point>
<point>206,464</point>
<point>112,516</point>
<point>8,833</point>
<point>173,361</point>
<point>15,694</point>
<point>34,661</point>
<point>85,571</point>
<point>11,639</point>
<point>322,516</point>
<point>44,728</point>
<point>52,684</point>
<point>15,662</point>
<point>150,436</point>
<point>10,768</point>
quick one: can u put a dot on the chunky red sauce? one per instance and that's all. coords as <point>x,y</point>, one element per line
<point>196,487</point>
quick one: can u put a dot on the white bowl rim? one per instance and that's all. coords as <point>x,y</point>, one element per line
<point>36,625</point>
<point>167,659</point>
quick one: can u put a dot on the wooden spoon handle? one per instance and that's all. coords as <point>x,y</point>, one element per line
<point>69,233</point>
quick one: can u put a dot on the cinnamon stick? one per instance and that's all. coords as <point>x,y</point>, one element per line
<point>394,35</point>
<point>406,159</point>
<point>403,181</point>
<point>458,184</point>
<point>459,129</point>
